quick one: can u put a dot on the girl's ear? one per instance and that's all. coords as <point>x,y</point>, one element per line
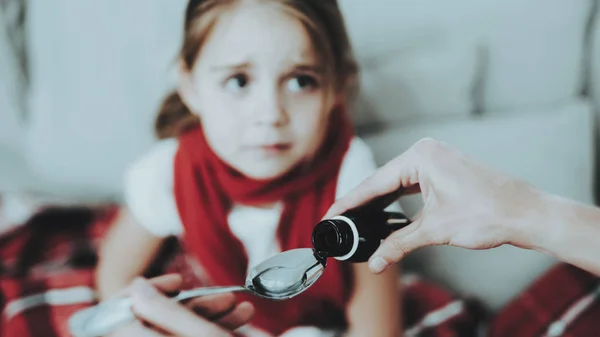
<point>186,89</point>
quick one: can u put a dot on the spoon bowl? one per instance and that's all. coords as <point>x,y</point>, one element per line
<point>286,274</point>
<point>278,278</point>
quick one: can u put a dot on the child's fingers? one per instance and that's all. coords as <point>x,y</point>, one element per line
<point>137,329</point>
<point>214,306</point>
<point>168,283</point>
<point>241,315</point>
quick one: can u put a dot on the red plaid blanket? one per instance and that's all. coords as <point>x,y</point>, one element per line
<point>46,270</point>
<point>47,266</point>
<point>563,302</point>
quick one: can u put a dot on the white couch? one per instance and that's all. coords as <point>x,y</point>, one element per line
<point>503,81</point>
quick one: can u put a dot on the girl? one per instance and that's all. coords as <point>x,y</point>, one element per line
<point>256,146</point>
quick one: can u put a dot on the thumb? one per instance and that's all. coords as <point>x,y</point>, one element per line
<point>398,245</point>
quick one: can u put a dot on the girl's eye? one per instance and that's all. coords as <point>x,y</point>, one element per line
<point>236,83</point>
<point>301,82</point>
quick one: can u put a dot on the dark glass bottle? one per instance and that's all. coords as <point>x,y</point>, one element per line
<point>355,235</point>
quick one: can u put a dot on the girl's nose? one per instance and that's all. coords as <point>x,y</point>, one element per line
<point>270,109</point>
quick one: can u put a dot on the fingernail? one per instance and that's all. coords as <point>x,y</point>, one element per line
<point>144,288</point>
<point>377,264</point>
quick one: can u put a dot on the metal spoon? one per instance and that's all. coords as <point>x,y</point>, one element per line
<point>280,277</point>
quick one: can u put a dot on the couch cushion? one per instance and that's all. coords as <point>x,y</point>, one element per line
<point>416,61</point>
<point>533,52</point>
<point>552,149</point>
<point>433,80</point>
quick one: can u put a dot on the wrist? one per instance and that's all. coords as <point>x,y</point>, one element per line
<point>538,226</point>
<point>572,237</point>
<point>558,227</point>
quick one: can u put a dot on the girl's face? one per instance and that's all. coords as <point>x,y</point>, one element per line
<point>257,87</point>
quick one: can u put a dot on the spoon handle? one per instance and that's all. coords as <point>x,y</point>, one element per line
<point>198,292</point>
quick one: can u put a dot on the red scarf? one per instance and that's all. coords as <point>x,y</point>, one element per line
<point>205,189</point>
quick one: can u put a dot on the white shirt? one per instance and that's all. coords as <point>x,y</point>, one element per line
<point>149,196</point>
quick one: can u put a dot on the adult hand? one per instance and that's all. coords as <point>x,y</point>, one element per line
<point>465,203</point>
<point>210,316</point>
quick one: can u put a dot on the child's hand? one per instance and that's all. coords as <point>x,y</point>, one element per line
<point>207,316</point>
<point>133,329</point>
<point>308,331</point>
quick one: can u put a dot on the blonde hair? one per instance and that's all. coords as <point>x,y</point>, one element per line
<point>323,22</point>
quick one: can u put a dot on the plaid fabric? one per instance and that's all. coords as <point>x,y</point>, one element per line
<point>46,270</point>
<point>47,273</point>
<point>565,302</point>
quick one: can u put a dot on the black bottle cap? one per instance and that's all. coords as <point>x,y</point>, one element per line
<point>330,238</point>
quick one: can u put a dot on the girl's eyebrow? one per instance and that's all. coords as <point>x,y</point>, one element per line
<point>305,67</point>
<point>301,67</point>
<point>230,67</point>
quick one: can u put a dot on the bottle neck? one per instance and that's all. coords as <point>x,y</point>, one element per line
<point>336,237</point>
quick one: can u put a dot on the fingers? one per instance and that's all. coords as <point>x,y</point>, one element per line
<point>167,283</point>
<point>398,245</point>
<point>213,307</point>
<point>385,180</point>
<point>223,309</point>
<point>404,172</point>
<point>149,333</point>
<point>143,331</point>
<point>241,315</point>
<point>135,328</point>
<point>170,316</point>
